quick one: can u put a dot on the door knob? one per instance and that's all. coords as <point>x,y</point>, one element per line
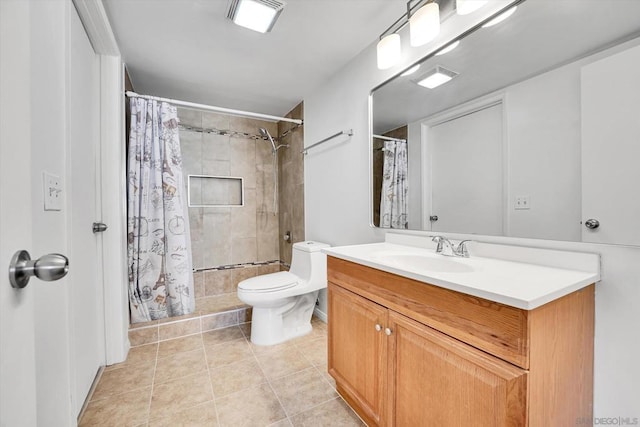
<point>387,331</point>
<point>48,268</point>
<point>99,227</point>
<point>592,224</point>
<point>378,327</point>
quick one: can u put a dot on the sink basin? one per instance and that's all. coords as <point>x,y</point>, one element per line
<point>418,262</point>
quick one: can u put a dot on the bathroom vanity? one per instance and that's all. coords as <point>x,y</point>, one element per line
<point>421,339</point>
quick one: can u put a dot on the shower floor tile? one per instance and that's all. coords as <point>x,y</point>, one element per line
<point>215,374</point>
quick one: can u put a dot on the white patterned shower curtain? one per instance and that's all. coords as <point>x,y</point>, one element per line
<point>159,246</point>
<point>393,203</point>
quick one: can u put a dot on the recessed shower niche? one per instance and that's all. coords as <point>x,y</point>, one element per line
<point>215,191</point>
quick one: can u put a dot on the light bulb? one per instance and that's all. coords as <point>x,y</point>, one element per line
<point>389,51</point>
<point>424,25</point>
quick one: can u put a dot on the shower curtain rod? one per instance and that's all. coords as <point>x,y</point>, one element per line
<point>214,108</point>
<point>388,138</point>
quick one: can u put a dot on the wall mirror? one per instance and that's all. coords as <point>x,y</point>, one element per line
<point>531,128</point>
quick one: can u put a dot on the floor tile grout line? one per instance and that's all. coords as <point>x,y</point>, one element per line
<point>153,379</point>
<point>104,371</point>
<point>310,408</point>
<point>270,386</point>
<point>316,367</point>
<point>213,395</point>
<point>190,375</point>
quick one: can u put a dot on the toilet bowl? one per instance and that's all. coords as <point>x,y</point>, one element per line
<point>283,302</point>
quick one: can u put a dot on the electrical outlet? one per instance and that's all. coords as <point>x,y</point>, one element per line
<point>52,192</point>
<point>522,203</point>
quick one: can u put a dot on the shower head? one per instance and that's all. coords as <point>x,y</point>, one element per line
<point>266,134</point>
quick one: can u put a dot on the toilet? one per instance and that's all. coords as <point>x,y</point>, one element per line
<point>283,302</point>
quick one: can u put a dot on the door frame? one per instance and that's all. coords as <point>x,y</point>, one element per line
<point>470,107</point>
<point>111,178</point>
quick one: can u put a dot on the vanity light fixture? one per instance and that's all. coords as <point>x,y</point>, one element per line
<point>435,77</point>
<point>389,51</point>
<point>424,25</point>
<point>423,18</point>
<point>498,19</point>
<point>448,48</point>
<point>257,15</point>
<point>411,70</point>
<point>465,7</point>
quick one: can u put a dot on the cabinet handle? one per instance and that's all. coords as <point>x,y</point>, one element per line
<point>378,327</point>
<point>387,331</point>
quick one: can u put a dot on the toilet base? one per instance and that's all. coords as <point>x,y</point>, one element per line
<point>270,326</point>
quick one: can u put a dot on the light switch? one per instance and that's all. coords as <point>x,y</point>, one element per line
<point>522,203</point>
<point>52,192</point>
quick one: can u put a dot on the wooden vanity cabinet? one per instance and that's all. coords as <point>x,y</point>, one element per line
<point>405,353</point>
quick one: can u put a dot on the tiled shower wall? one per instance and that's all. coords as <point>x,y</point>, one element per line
<point>231,235</point>
<point>291,184</point>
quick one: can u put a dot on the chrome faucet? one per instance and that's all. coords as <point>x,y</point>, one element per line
<point>446,248</point>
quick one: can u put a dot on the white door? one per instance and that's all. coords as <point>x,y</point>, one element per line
<point>86,299</point>
<point>17,355</point>
<point>611,148</point>
<point>466,173</point>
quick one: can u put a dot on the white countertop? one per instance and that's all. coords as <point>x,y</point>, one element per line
<point>524,285</point>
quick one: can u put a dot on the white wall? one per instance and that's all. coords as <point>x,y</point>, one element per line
<point>337,191</point>
<point>337,213</point>
<point>49,21</point>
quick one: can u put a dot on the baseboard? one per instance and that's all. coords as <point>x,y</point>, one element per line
<point>320,314</point>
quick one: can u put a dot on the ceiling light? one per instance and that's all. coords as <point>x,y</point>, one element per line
<point>411,70</point>
<point>448,48</point>
<point>465,7</point>
<point>257,15</point>
<point>498,19</point>
<point>424,25</point>
<point>435,77</point>
<point>389,51</point>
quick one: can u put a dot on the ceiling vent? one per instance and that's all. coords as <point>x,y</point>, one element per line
<point>257,15</point>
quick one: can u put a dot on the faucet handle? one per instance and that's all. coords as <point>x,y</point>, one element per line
<point>461,249</point>
<point>438,240</point>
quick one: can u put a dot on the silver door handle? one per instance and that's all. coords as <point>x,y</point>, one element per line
<point>99,227</point>
<point>387,331</point>
<point>48,268</point>
<point>592,224</point>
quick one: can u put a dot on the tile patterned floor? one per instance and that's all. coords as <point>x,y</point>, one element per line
<point>219,378</point>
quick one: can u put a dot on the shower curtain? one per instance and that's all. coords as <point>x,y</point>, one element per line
<point>393,203</point>
<point>159,246</point>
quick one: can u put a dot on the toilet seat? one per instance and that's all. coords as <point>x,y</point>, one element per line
<point>269,282</point>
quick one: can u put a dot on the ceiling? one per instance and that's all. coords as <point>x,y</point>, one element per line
<point>540,36</point>
<point>189,50</point>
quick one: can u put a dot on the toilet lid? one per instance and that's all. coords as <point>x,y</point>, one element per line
<point>269,282</point>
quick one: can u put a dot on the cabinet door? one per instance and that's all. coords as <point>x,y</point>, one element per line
<point>358,351</point>
<point>440,381</point>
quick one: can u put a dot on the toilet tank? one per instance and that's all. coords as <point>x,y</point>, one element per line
<point>309,263</point>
